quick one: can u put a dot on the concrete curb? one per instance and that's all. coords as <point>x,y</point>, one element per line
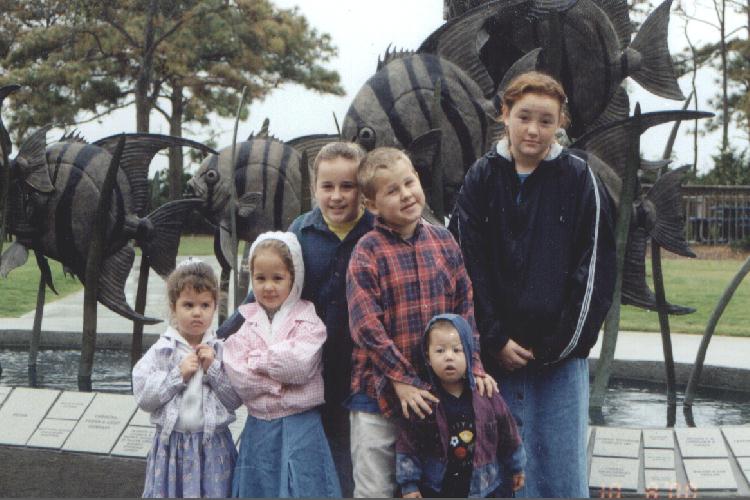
<point>714,377</point>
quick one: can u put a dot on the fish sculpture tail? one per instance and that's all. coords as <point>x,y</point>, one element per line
<point>162,241</point>
<point>669,225</point>
<point>655,71</point>
<point>635,290</point>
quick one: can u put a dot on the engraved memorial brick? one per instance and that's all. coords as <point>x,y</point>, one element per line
<point>136,441</point>
<point>699,442</point>
<point>658,459</point>
<point>21,413</point>
<point>660,479</point>
<point>614,473</point>
<point>658,438</point>
<point>617,442</point>
<point>51,433</point>
<point>738,439</point>
<point>101,424</point>
<point>70,405</point>
<point>710,474</point>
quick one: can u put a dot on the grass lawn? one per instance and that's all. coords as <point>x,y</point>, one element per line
<point>696,283</point>
<point>18,290</point>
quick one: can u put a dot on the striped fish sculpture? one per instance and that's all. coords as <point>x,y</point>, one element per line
<point>54,195</point>
<point>396,107</point>
<point>268,180</point>
<point>584,43</point>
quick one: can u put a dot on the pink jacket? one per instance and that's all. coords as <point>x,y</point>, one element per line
<point>277,374</point>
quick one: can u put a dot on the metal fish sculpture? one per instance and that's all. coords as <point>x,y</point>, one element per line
<point>397,107</point>
<point>54,194</point>
<point>584,43</point>
<point>268,181</point>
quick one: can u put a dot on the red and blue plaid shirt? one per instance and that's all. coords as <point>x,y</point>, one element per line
<point>393,288</point>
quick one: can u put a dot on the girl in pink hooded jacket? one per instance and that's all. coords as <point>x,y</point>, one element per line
<point>274,363</point>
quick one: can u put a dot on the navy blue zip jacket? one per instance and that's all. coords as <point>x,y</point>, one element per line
<point>540,254</point>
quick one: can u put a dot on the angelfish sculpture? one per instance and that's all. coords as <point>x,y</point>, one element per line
<point>54,193</point>
<point>268,181</point>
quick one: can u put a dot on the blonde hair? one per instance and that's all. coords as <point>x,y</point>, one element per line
<point>347,150</point>
<point>195,275</point>
<point>535,82</point>
<point>378,159</point>
<point>279,248</point>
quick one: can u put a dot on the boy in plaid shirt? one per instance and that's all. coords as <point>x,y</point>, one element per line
<point>401,274</point>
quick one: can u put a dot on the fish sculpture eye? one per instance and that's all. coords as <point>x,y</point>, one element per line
<point>366,138</point>
<point>212,176</point>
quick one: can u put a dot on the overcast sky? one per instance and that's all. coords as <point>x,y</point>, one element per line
<point>362,30</point>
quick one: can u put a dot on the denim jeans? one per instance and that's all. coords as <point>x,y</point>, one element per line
<point>550,405</point>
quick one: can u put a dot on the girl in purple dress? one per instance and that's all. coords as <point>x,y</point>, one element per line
<point>181,382</point>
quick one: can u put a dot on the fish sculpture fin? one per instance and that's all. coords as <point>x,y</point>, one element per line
<point>525,64</point>
<point>73,136</point>
<point>392,55</point>
<point>111,293</point>
<point>610,142</point>
<point>248,203</point>
<point>137,154</point>
<point>635,291</point>
<point>617,109</point>
<point>461,39</point>
<point>218,252</point>
<point>46,272</point>
<point>669,224</point>
<point>32,161</point>
<point>225,247</point>
<point>656,73</point>
<point>163,241</point>
<point>619,15</point>
<point>14,256</point>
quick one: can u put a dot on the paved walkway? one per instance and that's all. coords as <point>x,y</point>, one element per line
<point>66,315</point>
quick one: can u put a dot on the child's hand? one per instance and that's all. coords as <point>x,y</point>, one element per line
<point>414,398</point>
<point>486,385</point>
<point>413,494</point>
<point>206,355</point>
<point>512,356</point>
<point>518,481</point>
<point>189,366</point>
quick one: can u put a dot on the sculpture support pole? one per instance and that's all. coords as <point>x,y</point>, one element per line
<point>224,294</point>
<point>666,340</point>
<point>233,204</point>
<point>93,266</point>
<point>700,358</point>
<point>136,345</point>
<point>624,214</point>
<point>244,281</point>
<point>36,331</point>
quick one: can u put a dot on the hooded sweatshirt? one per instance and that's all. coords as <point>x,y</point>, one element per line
<point>275,365</point>
<point>423,446</point>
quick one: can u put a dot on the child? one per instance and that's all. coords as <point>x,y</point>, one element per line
<point>274,364</point>
<point>455,451</point>
<point>535,229</point>
<point>180,381</point>
<point>327,235</point>
<point>401,274</point>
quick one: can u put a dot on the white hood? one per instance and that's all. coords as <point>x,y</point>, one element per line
<point>290,240</point>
